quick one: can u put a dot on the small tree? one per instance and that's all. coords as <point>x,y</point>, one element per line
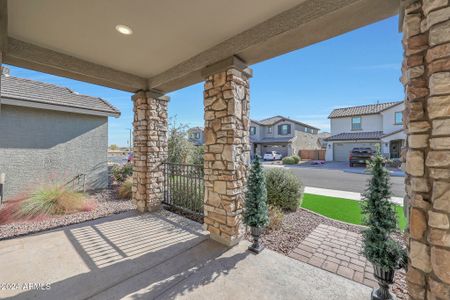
<point>380,217</point>
<point>256,212</point>
<point>179,147</point>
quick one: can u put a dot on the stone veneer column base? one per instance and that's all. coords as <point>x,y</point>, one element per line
<point>149,149</point>
<point>426,76</point>
<point>227,153</point>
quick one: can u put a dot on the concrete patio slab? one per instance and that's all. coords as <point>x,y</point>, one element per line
<point>158,256</point>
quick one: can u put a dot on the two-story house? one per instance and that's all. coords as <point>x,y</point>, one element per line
<point>366,126</point>
<point>195,135</point>
<point>282,134</point>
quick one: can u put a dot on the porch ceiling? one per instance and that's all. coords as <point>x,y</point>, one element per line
<point>172,40</point>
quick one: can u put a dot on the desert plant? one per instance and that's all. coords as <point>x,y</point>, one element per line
<point>196,156</point>
<point>125,189</point>
<point>121,173</point>
<point>380,217</point>
<point>296,158</point>
<point>48,199</point>
<point>256,213</point>
<point>288,160</point>
<point>179,146</point>
<point>284,189</point>
<point>276,217</point>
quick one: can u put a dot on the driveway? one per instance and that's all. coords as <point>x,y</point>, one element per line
<point>335,176</point>
<point>156,256</point>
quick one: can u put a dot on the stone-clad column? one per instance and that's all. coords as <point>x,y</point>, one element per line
<point>426,76</point>
<point>227,150</point>
<point>149,149</point>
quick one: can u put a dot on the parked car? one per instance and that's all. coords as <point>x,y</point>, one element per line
<point>272,155</point>
<point>360,156</point>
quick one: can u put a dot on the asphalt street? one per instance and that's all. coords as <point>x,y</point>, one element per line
<point>340,180</point>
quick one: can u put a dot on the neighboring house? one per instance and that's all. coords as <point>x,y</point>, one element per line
<point>282,134</point>
<point>195,135</point>
<point>50,133</point>
<point>366,126</point>
<point>322,139</point>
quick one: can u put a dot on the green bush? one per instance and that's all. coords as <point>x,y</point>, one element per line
<point>291,160</point>
<point>296,158</point>
<point>125,189</point>
<point>284,189</point>
<point>288,160</point>
<point>121,173</point>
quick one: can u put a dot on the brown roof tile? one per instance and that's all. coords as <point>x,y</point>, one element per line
<point>362,110</point>
<point>36,91</point>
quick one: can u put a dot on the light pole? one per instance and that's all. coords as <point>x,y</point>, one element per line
<point>130,142</point>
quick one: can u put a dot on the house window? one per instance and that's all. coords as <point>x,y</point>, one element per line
<point>398,118</point>
<point>269,129</point>
<point>252,130</point>
<point>284,129</point>
<point>356,123</point>
<point>195,135</point>
<point>306,129</point>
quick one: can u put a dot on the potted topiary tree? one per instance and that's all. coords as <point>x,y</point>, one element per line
<point>256,214</point>
<point>385,254</point>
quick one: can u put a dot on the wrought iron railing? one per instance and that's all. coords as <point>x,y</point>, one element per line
<point>184,189</point>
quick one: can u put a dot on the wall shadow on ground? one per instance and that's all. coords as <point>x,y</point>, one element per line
<point>149,256</point>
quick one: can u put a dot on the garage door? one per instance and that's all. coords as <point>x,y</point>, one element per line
<point>341,151</point>
<point>279,148</point>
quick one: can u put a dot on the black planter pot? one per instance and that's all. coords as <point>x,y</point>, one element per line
<point>256,232</point>
<point>384,278</point>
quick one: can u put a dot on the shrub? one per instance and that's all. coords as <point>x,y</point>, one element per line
<point>378,246</point>
<point>284,189</point>
<point>50,199</point>
<point>197,155</point>
<point>296,158</point>
<point>125,189</point>
<point>394,163</point>
<point>288,160</point>
<point>121,173</point>
<point>276,217</point>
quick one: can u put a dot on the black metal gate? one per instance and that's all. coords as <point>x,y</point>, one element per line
<point>184,189</point>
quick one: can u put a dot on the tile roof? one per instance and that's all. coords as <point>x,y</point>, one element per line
<point>272,140</point>
<point>371,135</point>
<point>45,93</point>
<point>362,110</point>
<point>276,119</point>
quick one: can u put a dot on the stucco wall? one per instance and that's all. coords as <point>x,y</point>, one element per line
<point>389,118</point>
<point>40,145</point>
<point>368,123</point>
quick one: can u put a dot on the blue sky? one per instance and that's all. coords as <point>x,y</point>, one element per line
<point>357,68</point>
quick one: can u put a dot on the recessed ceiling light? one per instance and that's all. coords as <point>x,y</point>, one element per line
<point>124,29</point>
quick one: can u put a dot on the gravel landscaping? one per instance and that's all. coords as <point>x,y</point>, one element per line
<point>107,204</point>
<point>298,225</point>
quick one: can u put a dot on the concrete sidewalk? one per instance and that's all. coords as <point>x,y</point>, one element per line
<point>157,256</point>
<point>344,194</point>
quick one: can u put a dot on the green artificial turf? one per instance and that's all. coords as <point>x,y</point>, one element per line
<point>345,210</point>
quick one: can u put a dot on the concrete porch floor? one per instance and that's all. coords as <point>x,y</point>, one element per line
<point>157,256</point>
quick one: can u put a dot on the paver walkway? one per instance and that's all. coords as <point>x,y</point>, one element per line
<point>337,251</point>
